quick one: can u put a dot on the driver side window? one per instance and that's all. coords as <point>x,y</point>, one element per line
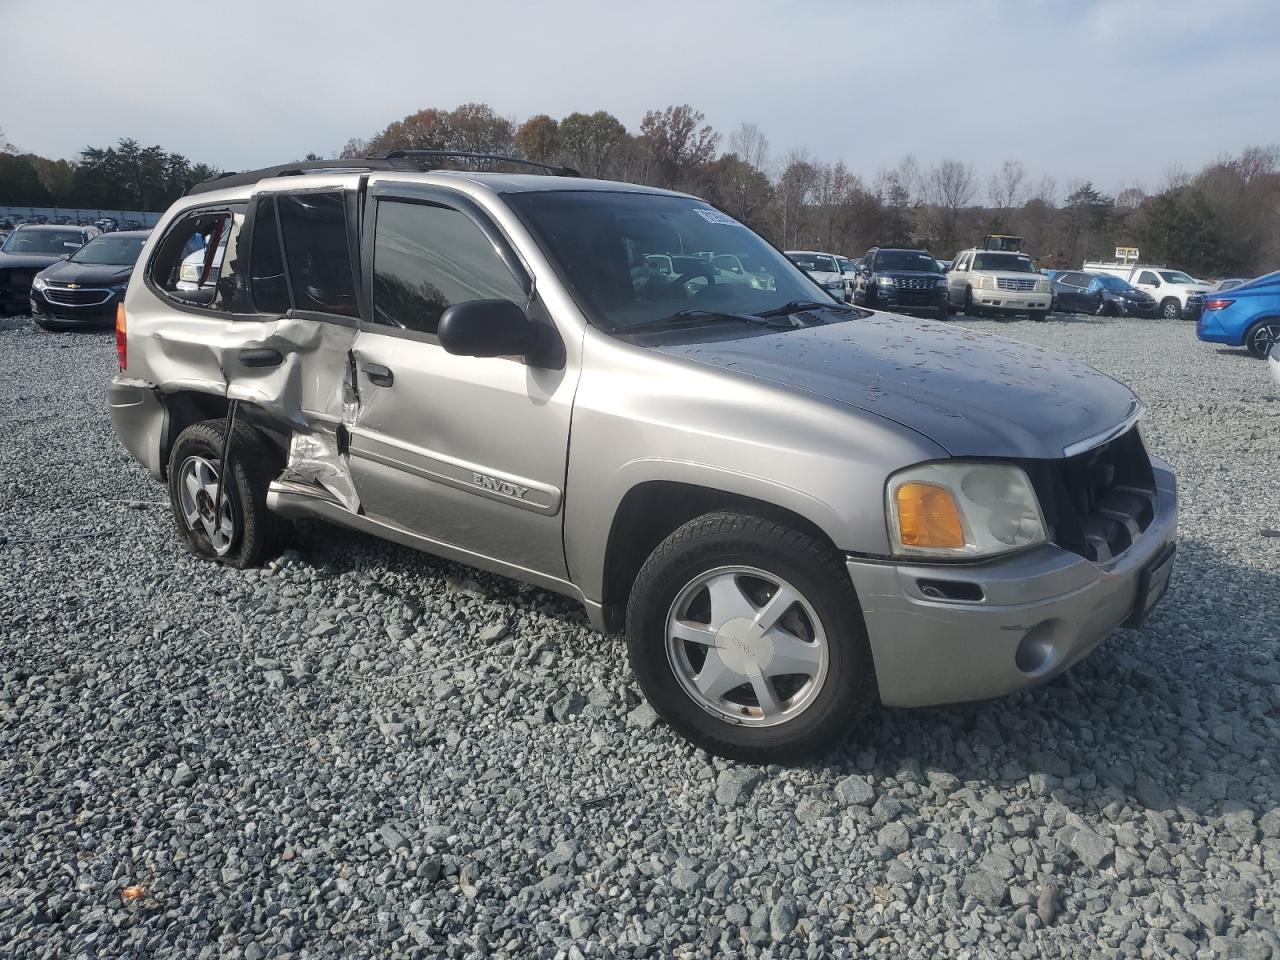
<point>425,259</point>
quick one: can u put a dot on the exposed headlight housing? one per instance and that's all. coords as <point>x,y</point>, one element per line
<point>38,283</point>
<point>962,510</point>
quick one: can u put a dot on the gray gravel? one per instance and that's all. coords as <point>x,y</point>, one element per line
<point>364,752</point>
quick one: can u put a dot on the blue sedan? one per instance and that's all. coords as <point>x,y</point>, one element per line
<point>1246,316</point>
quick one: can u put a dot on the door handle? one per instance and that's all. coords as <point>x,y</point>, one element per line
<point>262,357</point>
<point>379,375</point>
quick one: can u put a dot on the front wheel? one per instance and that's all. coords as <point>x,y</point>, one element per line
<point>1261,337</point>
<point>1171,309</point>
<point>240,532</point>
<point>747,638</point>
<point>1040,316</point>
<point>969,309</point>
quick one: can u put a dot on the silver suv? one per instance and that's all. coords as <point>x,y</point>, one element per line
<point>797,509</point>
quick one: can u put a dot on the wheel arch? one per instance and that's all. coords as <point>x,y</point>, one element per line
<point>1253,326</point>
<point>652,510</point>
<point>185,407</point>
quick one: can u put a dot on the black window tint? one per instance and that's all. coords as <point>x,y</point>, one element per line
<point>315,244</point>
<point>427,258</point>
<point>1148,277</point>
<point>196,263</point>
<point>267,280</point>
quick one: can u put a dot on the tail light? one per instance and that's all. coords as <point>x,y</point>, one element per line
<point>122,343</point>
<point>1217,304</point>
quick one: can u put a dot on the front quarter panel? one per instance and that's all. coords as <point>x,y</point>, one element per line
<point>642,416</point>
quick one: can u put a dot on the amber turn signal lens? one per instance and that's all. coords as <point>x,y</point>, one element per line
<point>122,350</point>
<point>928,516</point>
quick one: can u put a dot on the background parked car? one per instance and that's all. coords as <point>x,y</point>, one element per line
<point>1178,294</point>
<point>849,270</point>
<point>83,290</point>
<point>823,268</point>
<point>996,281</point>
<point>1099,294</point>
<point>903,280</point>
<point>1229,284</point>
<point>1248,316</point>
<point>27,251</point>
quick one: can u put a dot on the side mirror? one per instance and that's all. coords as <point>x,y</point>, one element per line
<point>487,328</point>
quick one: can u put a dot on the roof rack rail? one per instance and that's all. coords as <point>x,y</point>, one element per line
<point>470,155</point>
<point>391,160</point>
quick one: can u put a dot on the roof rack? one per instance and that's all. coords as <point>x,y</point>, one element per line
<point>391,160</point>
<point>425,155</point>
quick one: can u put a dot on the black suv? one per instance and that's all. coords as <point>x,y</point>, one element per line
<point>907,281</point>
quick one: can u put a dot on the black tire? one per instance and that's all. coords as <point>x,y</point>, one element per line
<point>1260,337</point>
<point>969,309</point>
<point>252,464</point>
<point>1039,316</point>
<point>1170,308</point>
<point>847,692</point>
<point>942,313</point>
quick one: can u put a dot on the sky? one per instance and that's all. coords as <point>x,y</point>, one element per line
<point>1119,92</point>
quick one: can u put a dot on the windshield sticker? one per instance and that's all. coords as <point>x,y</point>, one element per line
<point>715,216</point>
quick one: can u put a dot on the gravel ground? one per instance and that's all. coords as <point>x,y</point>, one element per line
<point>363,752</point>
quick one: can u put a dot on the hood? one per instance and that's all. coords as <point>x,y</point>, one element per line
<point>910,274</point>
<point>87,274</point>
<point>974,394</point>
<point>823,276</point>
<point>26,261</point>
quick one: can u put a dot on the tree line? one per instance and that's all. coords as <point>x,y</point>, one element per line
<point>126,176</point>
<point>1221,220</point>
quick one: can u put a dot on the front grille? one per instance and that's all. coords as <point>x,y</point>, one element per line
<point>76,298</point>
<point>916,283</point>
<point>1009,283</point>
<point>1099,502</point>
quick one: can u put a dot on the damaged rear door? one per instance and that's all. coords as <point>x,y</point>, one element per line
<point>302,255</point>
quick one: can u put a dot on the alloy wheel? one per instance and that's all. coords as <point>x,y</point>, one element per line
<point>747,646</point>
<point>1263,337</point>
<point>197,490</point>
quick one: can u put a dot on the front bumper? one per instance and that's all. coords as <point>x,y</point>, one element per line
<point>906,301</point>
<point>1192,309</point>
<point>1014,301</point>
<point>934,651</point>
<point>91,314</point>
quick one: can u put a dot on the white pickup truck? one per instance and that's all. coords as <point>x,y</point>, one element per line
<point>1176,293</point>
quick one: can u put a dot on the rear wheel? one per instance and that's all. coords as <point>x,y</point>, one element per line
<point>747,638</point>
<point>241,532</point>
<point>1170,309</point>
<point>1262,336</point>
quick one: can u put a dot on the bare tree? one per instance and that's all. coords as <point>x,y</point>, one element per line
<point>751,146</point>
<point>794,189</point>
<point>1007,188</point>
<point>949,187</point>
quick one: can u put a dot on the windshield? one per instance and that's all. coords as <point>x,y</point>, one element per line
<point>115,251</point>
<point>846,265</point>
<point>626,256</point>
<point>1008,262</point>
<point>814,262</point>
<point>906,260</point>
<point>1113,283</point>
<point>1176,276</point>
<point>49,242</point>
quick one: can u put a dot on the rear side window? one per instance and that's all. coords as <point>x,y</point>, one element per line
<point>318,260</point>
<point>427,258</point>
<point>269,288</point>
<point>197,263</point>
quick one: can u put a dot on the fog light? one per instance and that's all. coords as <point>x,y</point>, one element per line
<point>1037,653</point>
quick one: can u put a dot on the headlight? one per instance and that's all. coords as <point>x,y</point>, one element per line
<point>190,272</point>
<point>942,282</point>
<point>884,281</point>
<point>986,283</point>
<point>38,283</point>
<point>1042,286</point>
<point>960,510</point>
